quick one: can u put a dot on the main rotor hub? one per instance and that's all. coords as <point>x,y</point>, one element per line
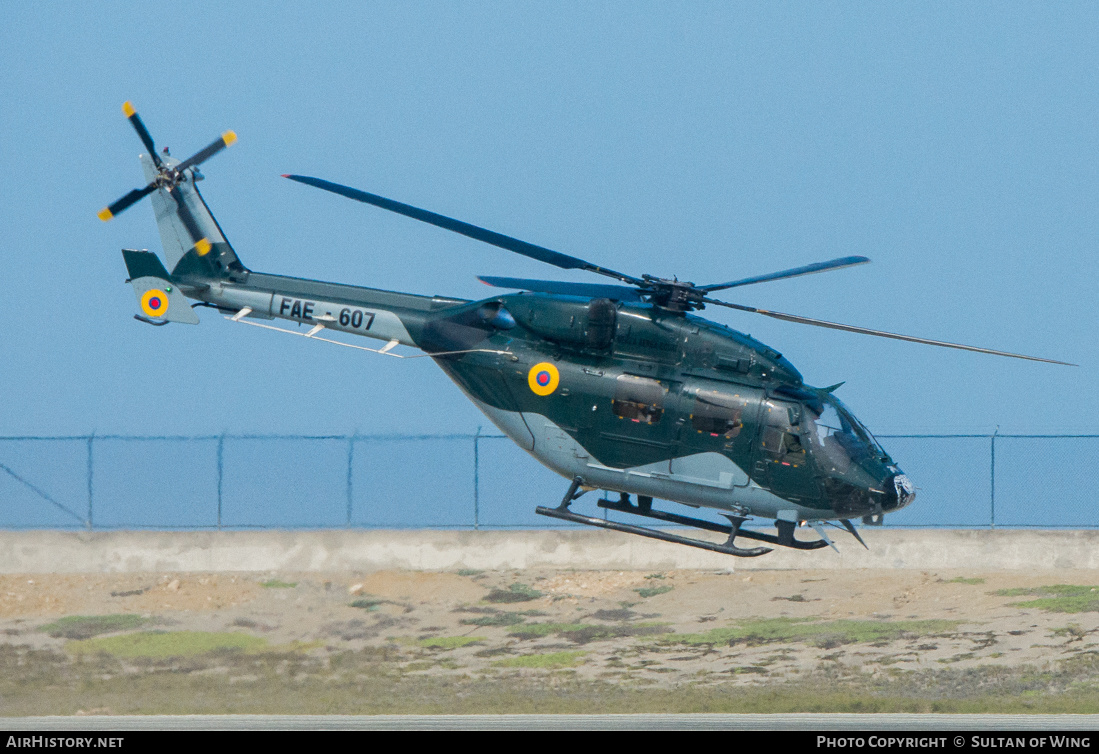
<point>674,295</point>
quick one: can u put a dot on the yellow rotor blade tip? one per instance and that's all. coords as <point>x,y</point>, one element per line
<point>203,247</point>
<point>229,137</point>
<point>104,214</point>
<point>128,109</point>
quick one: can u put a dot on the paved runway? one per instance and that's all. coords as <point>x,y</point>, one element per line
<point>798,722</point>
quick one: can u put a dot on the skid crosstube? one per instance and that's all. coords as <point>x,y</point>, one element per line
<point>784,538</point>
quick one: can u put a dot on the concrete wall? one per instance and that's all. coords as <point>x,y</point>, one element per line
<point>145,551</point>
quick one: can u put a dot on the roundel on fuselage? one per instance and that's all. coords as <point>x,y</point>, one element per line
<point>543,378</point>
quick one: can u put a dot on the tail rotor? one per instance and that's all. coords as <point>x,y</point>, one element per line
<point>169,177</point>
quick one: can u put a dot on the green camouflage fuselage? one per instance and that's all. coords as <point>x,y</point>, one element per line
<point>636,398</point>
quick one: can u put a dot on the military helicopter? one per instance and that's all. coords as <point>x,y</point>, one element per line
<point>616,387</point>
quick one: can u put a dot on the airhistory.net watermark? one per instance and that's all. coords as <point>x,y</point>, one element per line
<point>64,742</point>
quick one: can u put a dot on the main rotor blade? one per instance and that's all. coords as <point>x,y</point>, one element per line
<point>540,253</point>
<point>122,204</point>
<point>586,290</point>
<point>832,264</point>
<point>203,155</point>
<point>879,333</point>
<point>142,132</point>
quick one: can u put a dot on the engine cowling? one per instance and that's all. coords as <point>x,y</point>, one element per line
<point>586,324</point>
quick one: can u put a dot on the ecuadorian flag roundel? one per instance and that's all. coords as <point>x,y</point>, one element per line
<point>543,378</point>
<point>154,303</point>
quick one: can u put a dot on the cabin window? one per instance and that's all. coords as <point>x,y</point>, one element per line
<point>718,414</point>
<point>639,399</point>
<point>779,435</point>
<point>778,443</point>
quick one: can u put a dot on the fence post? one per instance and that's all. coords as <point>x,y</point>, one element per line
<point>88,523</point>
<point>477,479</point>
<point>992,485</point>
<point>350,461</point>
<point>221,451</point>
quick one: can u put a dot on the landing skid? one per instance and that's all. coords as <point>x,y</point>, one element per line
<point>785,537</point>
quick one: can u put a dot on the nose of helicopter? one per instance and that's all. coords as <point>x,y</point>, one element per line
<point>849,500</point>
<point>899,492</point>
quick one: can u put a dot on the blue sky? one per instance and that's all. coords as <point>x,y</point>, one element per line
<point>953,144</point>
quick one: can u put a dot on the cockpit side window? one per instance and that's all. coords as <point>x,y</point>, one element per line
<point>717,413</point>
<point>639,399</point>
<point>835,434</point>
<point>829,422</point>
<point>859,430</point>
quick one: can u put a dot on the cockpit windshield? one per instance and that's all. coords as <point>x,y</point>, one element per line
<point>860,430</point>
<point>836,431</point>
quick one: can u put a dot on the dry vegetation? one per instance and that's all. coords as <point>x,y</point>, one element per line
<point>549,641</point>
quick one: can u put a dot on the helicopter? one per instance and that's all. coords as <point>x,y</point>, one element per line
<point>615,386</point>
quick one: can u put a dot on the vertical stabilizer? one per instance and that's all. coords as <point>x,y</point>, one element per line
<point>216,258</point>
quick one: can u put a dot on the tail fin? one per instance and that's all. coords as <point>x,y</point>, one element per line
<point>160,301</point>
<point>193,242</point>
<point>215,258</point>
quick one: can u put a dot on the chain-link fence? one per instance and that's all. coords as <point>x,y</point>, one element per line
<point>463,481</point>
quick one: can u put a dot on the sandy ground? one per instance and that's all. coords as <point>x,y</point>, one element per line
<point>607,626</point>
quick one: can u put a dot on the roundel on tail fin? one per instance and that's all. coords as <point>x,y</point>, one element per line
<point>154,303</point>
